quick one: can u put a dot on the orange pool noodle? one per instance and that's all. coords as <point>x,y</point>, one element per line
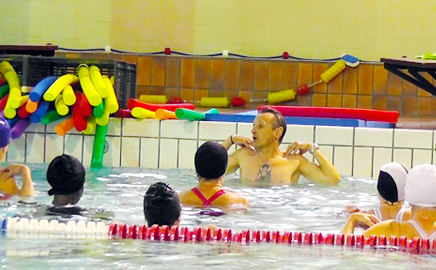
<point>165,114</point>
<point>31,106</point>
<point>65,126</point>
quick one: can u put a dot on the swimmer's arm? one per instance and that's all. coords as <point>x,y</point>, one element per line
<point>233,163</point>
<point>27,190</point>
<point>386,228</point>
<point>325,173</point>
<point>359,218</point>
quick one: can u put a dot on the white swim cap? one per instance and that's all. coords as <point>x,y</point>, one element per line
<point>392,181</point>
<point>421,186</point>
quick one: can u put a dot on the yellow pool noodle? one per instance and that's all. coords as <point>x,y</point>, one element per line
<point>156,99</point>
<point>88,87</point>
<point>214,102</point>
<point>14,84</point>
<point>56,88</point>
<point>60,106</point>
<point>68,95</point>
<point>281,96</point>
<point>112,80</point>
<point>97,80</point>
<point>111,100</point>
<point>104,120</point>
<point>142,113</point>
<point>10,112</point>
<point>333,71</point>
<point>90,125</point>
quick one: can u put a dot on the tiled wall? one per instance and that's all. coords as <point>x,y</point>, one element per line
<point>367,86</point>
<point>172,144</point>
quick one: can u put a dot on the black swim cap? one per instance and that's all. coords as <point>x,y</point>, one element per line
<point>211,160</point>
<point>161,205</point>
<point>392,182</point>
<point>66,175</point>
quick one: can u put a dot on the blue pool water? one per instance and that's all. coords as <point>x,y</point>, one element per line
<point>305,207</point>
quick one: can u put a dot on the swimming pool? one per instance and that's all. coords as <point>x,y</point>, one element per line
<point>305,207</point>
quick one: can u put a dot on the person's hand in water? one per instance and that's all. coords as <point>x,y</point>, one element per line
<point>364,220</point>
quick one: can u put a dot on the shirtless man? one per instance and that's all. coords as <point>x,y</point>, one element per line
<point>262,161</point>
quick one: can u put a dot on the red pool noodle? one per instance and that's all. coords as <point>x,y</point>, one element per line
<point>3,102</point>
<point>19,128</point>
<point>2,81</point>
<point>332,112</point>
<point>22,112</point>
<point>153,107</point>
<point>78,118</point>
<point>85,107</point>
<point>124,113</point>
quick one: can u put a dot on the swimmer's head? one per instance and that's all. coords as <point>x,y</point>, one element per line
<point>211,160</point>
<point>392,181</point>
<point>5,135</point>
<point>279,120</point>
<point>161,205</point>
<point>421,186</point>
<point>66,176</point>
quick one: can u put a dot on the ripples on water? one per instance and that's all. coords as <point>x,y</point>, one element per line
<point>304,207</point>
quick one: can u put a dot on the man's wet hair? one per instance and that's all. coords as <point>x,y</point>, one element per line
<point>279,120</point>
<point>161,205</point>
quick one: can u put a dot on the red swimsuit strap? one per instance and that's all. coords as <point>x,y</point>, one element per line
<point>211,199</point>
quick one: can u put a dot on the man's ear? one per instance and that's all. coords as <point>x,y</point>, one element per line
<point>279,132</point>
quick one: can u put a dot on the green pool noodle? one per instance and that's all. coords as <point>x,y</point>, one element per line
<point>99,110</point>
<point>52,116</point>
<point>4,90</point>
<point>193,115</point>
<point>98,148</point>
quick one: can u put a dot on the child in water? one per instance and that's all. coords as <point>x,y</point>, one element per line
<point>391,185</point>
<point>210,164</point>
<point>8,184</point>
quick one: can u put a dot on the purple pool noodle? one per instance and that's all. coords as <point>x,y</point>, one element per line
<point>19,128</point>
<point>5,132</point>
<point>40,88</point>
<point>42,108</point>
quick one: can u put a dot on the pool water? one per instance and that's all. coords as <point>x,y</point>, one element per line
<point>302,208</point>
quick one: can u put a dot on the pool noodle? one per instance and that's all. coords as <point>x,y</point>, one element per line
<point>165,114</point>
<point>3,102</point>
<point>41,87</point>
<point>67,125</point>
<point>78,118</point>
<point>333,112</point>
<point>91,125</point>
<point>85,107</point>
<point>88,87</point>
<point>98,82</point>
<point>19,128</point>
<point>22,112</point>
<point>52,116</point>
<point>34,118</point>
<point>2,80</point>
<point>14,84</point>
<point>111,99</point>
<point>11,113</point>
<point>68,95</point>
<point>31,106</point>
<point>56,88</point>
<point>42,108</point>
<point>153,107</point>
<point>98,111</point>
<point>142,113</point>
<point>60,106</point>
<point>123,113</point>
<point>104,119</point>
<point>193,115</point>
<point>4,90</point>
<point>98,148</point>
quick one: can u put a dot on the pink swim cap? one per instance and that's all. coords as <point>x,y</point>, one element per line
<point>5,132</point>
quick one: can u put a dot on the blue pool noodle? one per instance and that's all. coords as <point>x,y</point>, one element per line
<point>41,87</point>
<point>42,108</point>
